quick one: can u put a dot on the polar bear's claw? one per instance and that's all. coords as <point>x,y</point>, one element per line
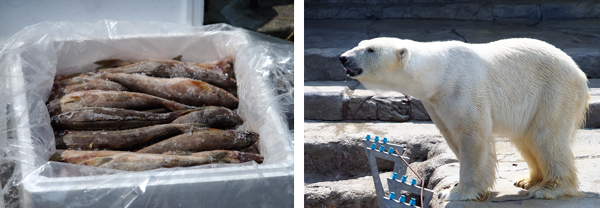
<point>526,183</point>
<point>455,194</point>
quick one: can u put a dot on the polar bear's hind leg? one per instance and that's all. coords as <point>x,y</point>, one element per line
<point>535,173</point>
<point>555,159</point>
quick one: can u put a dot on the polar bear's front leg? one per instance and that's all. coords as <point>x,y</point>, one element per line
<point>476,154</point>
<point>477,168</point>
<point>452,143</point>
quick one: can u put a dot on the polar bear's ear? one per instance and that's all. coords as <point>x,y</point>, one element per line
<point>403,55</point>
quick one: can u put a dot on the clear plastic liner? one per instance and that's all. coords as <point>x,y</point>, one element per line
<point>31,58</point>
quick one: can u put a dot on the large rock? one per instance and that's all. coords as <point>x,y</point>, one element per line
<point>361,106</point>
<point>418,148</point>
<point>338,158</point>
<point>333,150</point>
<point>324,103</point>
<point>359,192</point>
<point>417,110</point>
<point>344,157</point>
<point>442,172</point>
<point>438,154</point>
<point>392,106</point>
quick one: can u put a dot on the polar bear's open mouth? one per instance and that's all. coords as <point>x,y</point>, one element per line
<point>353,73</point>
<point>346,63</point>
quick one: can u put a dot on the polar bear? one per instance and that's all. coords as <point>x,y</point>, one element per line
<point>523,89</point>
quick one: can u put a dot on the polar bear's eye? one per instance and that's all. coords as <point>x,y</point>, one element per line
<point>370,50</point>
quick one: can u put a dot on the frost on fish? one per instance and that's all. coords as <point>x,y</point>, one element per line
<point>66,84</point>
<point>213,116</point>
<point>141,161</point>
<point>76,156</point>
<point>122,139</point>
<point>219,73</point>
<point>209,139</point>
<point>182,90</point>
<point>97,118</point>
<point>111,99</point>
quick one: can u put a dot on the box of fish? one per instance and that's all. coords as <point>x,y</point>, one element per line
<point>98,115</point>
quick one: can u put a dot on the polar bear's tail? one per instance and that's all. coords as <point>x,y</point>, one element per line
<point>581,121</point>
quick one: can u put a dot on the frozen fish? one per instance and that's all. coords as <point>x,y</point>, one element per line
<point>82,83</point>
<point>217,74</point>
<point>122,139</point>
<point>213,116</point>
<point>96,118</point>
<point>209,139</point>
<point>182,90</point>
<point>141,161</point>
<point>230,155</point>
<point>111,99</point>
<point>78,156</point>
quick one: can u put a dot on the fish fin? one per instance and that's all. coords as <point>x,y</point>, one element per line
<point>177,58</point>
<point>112,63</point>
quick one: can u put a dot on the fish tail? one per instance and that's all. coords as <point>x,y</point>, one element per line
<point>226,65</point>
<point>245,157</point>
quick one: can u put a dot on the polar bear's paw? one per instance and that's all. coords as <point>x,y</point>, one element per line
<point>459,193</point>
<point>526,183</point>
<point>552,190</point>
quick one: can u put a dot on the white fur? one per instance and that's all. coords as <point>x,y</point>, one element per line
<point>524,89</point>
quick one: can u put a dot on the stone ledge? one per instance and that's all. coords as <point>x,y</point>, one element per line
<point>337,102</point>
<point>324,103</point>
<point>458,10</point>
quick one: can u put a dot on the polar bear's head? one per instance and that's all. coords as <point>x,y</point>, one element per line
<point>374,58</point>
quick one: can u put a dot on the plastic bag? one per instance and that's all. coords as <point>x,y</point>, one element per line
<point>29,61</point>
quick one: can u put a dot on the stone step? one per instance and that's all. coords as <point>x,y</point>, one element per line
<point>379,1</point>
<point>326,40</point>
<point>454,10</point>
<point>337,174</point>
<point>348,100</point>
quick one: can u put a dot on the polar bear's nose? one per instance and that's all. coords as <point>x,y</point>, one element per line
<point>343,59</point>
